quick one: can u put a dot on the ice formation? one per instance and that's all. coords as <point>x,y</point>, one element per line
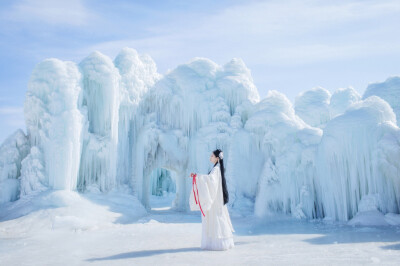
<point>162,182</point>
<point>103,125</point>
<point>389,90</point>
<point>54,122</point>
<point>356,158</point>
<point>14,149</point>
<point>313,106</point>
<point>341,99</point>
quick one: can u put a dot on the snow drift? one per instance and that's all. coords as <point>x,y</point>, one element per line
<point>103,125</point>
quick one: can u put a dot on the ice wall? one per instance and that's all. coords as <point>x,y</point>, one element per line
<point>100,102</point>
<point>79,121</point>
<point>355,159</point>
<point>103,124</point>
<point>162,182</point>
<point>53,120</point>
<point>13,150</point>
<point>186,115</point>
<point>313,106</point>
<point>341,99</point>
<point>138,73</point>
<point>389,90</point>
<point>33,175</point>
<point>288,144</point>
<point>317,106</point>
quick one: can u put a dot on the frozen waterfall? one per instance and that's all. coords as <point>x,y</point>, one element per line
<point>104,124</point>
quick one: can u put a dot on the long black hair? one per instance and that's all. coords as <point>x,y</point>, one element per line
<point>221,162</point>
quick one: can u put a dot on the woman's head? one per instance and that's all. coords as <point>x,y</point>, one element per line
<point>218,156</point>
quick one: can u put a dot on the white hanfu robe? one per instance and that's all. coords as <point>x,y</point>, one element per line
<point>216,225</point>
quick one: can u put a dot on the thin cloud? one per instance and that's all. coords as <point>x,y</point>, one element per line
<point>11,110</point>
<point>71,12</point>
<point>275,33</point>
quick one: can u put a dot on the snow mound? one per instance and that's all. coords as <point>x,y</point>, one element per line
<point>70,210</point>
<point>369,218</point>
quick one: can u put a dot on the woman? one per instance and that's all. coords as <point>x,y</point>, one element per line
<point>210,195</point>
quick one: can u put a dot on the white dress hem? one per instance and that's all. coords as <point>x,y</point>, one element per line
<point>208,243</point>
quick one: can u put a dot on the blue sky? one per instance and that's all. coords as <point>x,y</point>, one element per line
<point>289,46</point>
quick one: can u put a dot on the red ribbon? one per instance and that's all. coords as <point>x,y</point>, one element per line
<point>196,199</point>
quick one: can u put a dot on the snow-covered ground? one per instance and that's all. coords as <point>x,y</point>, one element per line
<point>57,227</point>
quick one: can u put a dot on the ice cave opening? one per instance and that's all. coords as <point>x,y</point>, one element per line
<point>162,189</point>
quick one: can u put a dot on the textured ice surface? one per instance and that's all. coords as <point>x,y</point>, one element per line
<point>107,124</point>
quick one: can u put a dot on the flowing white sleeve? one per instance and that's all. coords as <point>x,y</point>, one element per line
<point>208,187</point>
